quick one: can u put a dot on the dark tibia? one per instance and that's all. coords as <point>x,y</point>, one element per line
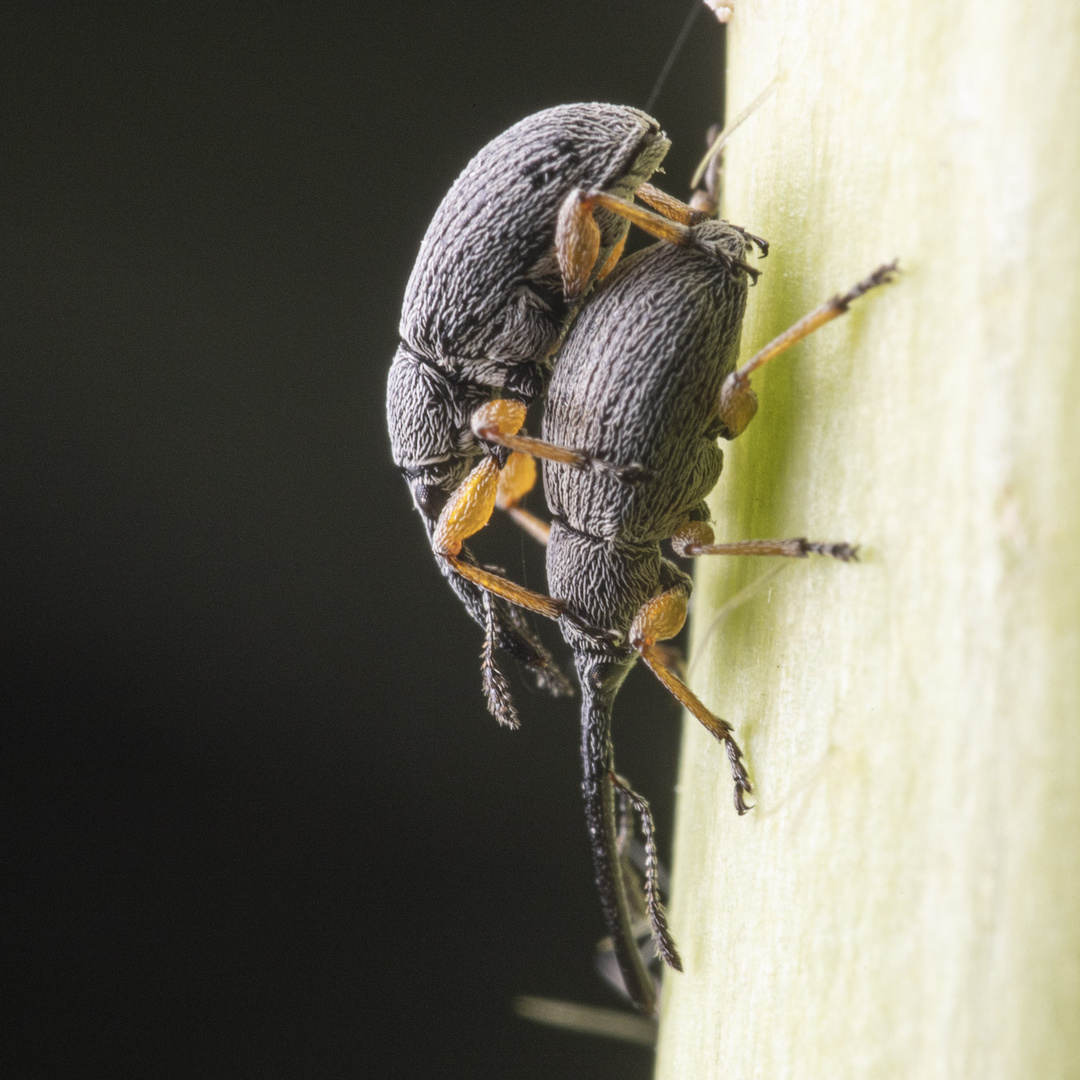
<point>500,701</point>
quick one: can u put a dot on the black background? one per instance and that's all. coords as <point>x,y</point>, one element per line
<point>259,822</point>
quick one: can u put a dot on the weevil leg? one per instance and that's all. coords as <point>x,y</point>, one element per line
<point>577,236</point>
<point>670,207</point>
<point>500,702</point>
<point>667,205</point>
<point>665,944</point>
<point>696,538</point>
<point>517,479</point>
<point>694,212</point>
<point>672,657</point>
<point>468,511</point>
<point>660,618</point>
<point>613,259</point>
<point>738,402</point>
<point>499,421</point>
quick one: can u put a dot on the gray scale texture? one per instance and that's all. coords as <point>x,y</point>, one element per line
<point>485,290</point>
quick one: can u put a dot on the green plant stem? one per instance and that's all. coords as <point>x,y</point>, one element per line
<point>905,899</point>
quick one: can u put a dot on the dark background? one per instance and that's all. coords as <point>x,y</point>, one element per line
<point>258,821</point>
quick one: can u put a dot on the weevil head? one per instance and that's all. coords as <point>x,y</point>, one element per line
<point>430,436</point>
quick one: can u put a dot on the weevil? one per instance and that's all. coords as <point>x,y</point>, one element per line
<point>647,375</point>
<point>535,219</point>
<point>646,378</point>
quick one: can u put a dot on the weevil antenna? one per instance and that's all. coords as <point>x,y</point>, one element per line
<point>684,33</point>
<point>718,142</point>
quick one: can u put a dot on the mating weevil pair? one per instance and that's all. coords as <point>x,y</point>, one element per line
<point>535,219</point>
<point>643,387</point>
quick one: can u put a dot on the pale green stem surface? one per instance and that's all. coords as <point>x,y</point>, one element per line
<point>905,900</point>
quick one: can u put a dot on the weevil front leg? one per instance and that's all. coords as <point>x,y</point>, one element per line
<point>670,207</point>
<point>578,241</point>
<point>695,212</point>
<point>738,402</point>
<point>697,538</point>
<point>663,617</point>
<point>499,422</point>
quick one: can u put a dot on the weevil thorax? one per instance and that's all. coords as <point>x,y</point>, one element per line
<point>485,294</point>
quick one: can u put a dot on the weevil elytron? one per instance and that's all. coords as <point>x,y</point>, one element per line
<point>657,391</point>
<point>536,217</point>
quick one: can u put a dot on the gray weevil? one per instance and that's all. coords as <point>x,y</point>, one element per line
<point>646,378</point>
<point>646,375</point>
<point>534,220</point>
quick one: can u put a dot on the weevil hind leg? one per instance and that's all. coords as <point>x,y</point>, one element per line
<point>468,511</point>
<point>696,538</point>
<point>500,703</point>
<point>665,944</point>
<point>738,403</point>
<point>663,617</point>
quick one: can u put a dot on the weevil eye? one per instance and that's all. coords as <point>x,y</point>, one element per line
<point>429,499</point>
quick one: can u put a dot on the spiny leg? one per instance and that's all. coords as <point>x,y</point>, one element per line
<point>548,675</point>
<point>663,617</point>
<point>696,538</point>
<point>632,857</point>
<point>657,915</point>
<point>499,421</point>
<point>738,402</point>
<point>500,703</point>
